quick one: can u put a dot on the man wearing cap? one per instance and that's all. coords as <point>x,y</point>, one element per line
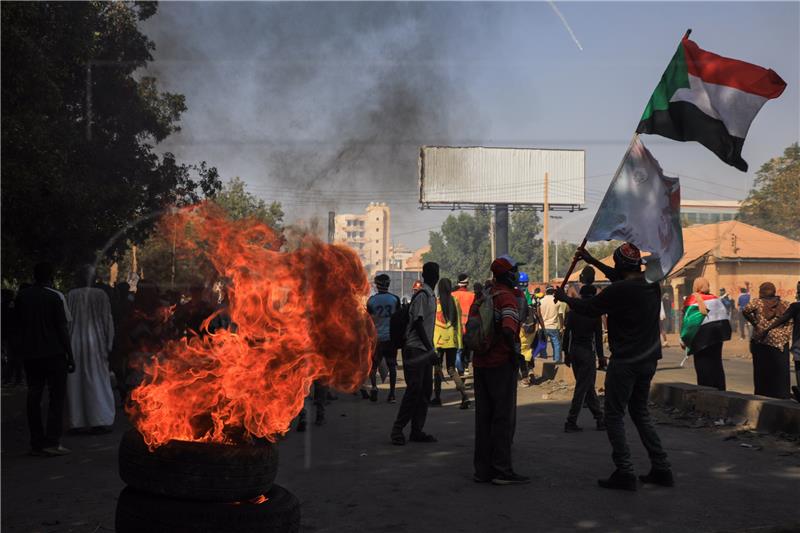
<point>418,357</point>
<point>465,299</point>
<point>495,381</point>
<point>633,307</point>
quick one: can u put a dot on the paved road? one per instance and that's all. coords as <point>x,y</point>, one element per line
<point>350,478</point>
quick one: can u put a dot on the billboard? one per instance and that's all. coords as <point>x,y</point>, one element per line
<point>476,175</point>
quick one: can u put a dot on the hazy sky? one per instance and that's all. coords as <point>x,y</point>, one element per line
<point>324,105</point>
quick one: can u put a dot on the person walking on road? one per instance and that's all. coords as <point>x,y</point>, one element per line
<point>447,340</point>
<point>553,318</point>
<point>583,346</point>
<point>769,345</point>
<point>418,358</point>
<point>90,399</point>
<point>745,329</point>
<point>46,350</point>
<point>632,305</point>
<point>465,299</point>
<point>496,380</point>
<point>381,306</point>
<point>706,325</point>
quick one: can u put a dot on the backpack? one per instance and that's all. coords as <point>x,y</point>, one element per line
<point>398,323</point>
<point>479,330</point>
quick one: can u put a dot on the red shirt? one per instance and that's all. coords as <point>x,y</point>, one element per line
<point>506,316</point>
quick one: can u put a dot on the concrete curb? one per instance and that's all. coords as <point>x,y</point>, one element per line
<point>763,414</point>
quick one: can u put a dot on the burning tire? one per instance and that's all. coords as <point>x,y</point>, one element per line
<point>198,471</point>
<point>138,512</point>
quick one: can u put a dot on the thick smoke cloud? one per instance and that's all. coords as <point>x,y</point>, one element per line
<point>326,103</point>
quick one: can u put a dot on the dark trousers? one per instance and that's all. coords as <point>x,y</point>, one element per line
<point>628,385</point>
<point>708,367</point>
<point>583,366</point>
<point>770,371</point>
<point>495,417</point>
<point>418,373</point>
<point>385,350</point>
<point>50,372</point>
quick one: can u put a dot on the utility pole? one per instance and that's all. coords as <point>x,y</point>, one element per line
<point>501,229</point>
<point>331,226</point>
<point>545,241</point>
<point>492,236</point>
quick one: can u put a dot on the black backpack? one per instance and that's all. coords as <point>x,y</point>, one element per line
<point>398,324</point>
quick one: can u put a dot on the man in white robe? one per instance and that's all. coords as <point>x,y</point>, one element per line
<point>90,399</point>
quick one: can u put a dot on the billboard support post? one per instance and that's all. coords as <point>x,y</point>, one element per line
<point>501,229</point>
<point>331,226</point>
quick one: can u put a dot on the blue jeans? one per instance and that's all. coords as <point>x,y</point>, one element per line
<point>555,341</point>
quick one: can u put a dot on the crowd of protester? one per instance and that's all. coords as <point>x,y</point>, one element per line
<point>86,348</point>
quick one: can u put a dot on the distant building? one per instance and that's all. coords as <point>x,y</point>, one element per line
<point>368,234</point>
<point>708,211</point>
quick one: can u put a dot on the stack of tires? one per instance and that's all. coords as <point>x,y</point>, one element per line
<point>202,488</point>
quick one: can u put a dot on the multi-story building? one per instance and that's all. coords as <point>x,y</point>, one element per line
<point>367,234</point>
<point>708,211</point>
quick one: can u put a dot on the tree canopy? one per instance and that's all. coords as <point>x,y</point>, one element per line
<point>772,203</point>
<point>79,129</point>
<point>462,245</point>
<point>239,204</point>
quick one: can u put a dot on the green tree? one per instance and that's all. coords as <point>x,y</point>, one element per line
<point>462,245</point>
<point>772,203</point>
<point>79,129</point>
<point>525,243</point>
<point>239,204</point>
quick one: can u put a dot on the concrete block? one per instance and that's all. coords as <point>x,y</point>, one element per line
<point>764,414</point>
<point>680,395</point>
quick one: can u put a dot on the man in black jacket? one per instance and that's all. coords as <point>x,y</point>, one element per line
<point>44,344</point>
<point>583,341</point>
<point>633,307</point>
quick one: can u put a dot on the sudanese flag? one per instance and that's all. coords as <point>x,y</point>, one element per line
<point>710,99</point>
<point>699,331</point>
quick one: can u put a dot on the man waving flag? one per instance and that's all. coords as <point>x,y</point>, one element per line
<point>710,99</point>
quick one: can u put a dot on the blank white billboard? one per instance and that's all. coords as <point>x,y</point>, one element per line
<point>476,175</point>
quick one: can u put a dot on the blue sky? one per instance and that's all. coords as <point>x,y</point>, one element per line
<point>323,106</point>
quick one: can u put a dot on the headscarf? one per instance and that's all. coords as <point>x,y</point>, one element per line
<point>699,288</point>
<point>772,305</point>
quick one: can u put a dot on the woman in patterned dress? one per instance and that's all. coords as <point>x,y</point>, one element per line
<point>771,351</point>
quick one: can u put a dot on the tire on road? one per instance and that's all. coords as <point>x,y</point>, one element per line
<point>198,470</point>
<point>139,511</point>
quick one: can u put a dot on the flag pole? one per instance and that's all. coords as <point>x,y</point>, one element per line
<point>610,185</point>
<point>616,174</point>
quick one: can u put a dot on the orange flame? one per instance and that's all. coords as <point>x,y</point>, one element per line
<point>299,317</point>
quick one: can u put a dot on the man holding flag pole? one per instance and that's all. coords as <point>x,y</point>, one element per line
<point>701,97</point>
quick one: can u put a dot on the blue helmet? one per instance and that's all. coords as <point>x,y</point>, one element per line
<point>523,277</point>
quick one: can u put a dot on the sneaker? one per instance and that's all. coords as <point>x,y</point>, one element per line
<point>422,437</point>
<point>659,477</point>
<point>601,425</point>
<point>571,427</point>
<point>436,402</point>
<point>510,479</point>
<point>57,450</point>
<point>619,481</point>
<point>391,399</point>
<point>398,439</point>
<point>373,395</point>
<point>364,394</point>
<point>478,479</point>
<point>465,404</point>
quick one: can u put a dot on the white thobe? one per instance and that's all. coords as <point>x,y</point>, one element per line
<point>90,400</point>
